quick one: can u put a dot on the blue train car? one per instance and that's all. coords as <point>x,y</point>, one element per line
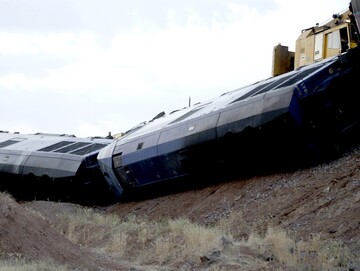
<point>284,120</point>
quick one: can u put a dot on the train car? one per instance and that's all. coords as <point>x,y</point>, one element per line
<point>284,120</point>
<point>48,166</point>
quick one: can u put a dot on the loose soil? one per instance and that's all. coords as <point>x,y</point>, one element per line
<point>322,200</point>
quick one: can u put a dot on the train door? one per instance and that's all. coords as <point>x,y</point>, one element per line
<point>318,47</point>
<point>336,41</point>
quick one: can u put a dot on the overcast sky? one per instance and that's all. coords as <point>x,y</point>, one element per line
<point>87,67</point>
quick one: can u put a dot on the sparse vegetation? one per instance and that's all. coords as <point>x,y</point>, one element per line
<point>276,245</point>
<point>140,240</point>
<point>311,254</point>
<point>22,265</point>
<point>178,242</point>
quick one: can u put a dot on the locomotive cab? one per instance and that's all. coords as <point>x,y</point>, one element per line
<point>318,43</point>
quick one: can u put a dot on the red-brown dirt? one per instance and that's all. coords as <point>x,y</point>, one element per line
<point>323,200</point>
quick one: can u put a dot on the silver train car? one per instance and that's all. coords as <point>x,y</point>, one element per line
<point>298,117</point>
<point>288,121</point>
<point>47,166</point>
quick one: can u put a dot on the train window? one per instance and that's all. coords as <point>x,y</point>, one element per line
<point>11,141</point>
<point>282,82</point>
<point>7,143</point>
<point>255,91</point>
<point>88,149</point>
<point>117,160</point>
<point>333,40</point>
<point>55,146</point>
<point>186,115</point>
<point>140,145</point>
<point>264,88</point>
<point>300,75</point>
<point>73,147</point>
<point>344,40</point>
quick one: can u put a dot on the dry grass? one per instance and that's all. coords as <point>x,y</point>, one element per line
<point>312,254</point>
<point>179,242</point>
<point>22,265</point>
<point>7,204</point>
<point>139,240</point>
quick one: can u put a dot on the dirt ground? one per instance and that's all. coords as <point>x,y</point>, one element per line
<point>322,200</point>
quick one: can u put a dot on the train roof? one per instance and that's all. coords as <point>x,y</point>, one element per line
<point>51,143</point>
<point>226,100</point>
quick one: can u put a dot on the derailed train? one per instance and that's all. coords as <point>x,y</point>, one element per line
<point>309,113</point>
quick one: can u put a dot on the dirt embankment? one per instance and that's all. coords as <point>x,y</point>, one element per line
<point>323,200</point>
<point>320,200</point>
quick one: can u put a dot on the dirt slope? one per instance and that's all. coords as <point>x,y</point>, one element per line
<point>24,234</point>
<point>322,200</point>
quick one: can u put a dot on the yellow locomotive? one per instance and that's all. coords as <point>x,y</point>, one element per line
<point>317,43</point>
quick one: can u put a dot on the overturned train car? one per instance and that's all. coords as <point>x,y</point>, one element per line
<point>291,120</point>
<point>54,167</point>
<point>299,117</point>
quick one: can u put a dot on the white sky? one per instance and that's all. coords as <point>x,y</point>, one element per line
<point>87,67</point>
